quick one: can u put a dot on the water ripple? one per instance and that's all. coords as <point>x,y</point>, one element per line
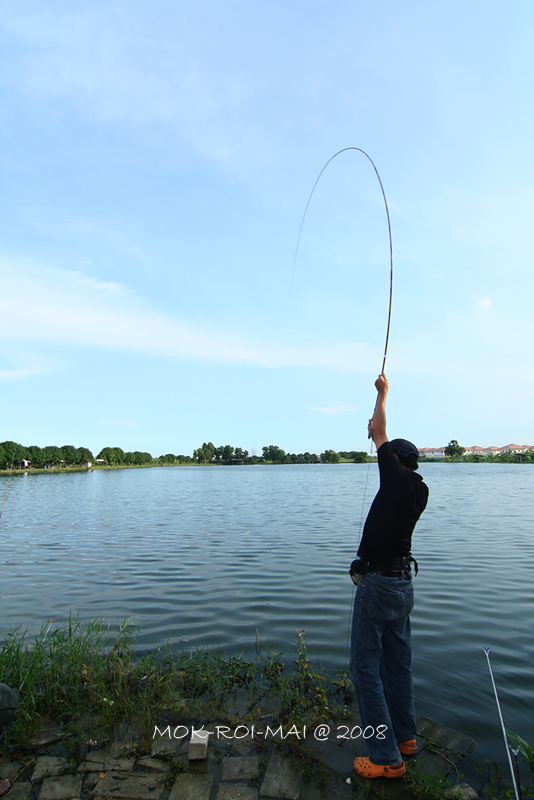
<point>217,555</point>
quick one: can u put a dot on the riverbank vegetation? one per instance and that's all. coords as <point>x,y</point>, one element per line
<point>85,677</point>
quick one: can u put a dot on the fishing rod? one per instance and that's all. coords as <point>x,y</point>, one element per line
<point>512,772</point>
<point>359,150</point>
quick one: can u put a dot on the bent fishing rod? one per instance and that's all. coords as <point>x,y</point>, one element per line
<point>359,150</point>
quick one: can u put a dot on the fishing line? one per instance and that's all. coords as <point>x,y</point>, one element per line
<point>8,479</point>
<point>359,540</point>
<point>359,150</point>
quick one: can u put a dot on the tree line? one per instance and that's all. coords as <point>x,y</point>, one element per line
<point>12,453</point>
<point>52,457</point>
<point>19,456</point>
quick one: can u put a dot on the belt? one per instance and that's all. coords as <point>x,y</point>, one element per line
<point>393,573</point>
<point>398,568</point>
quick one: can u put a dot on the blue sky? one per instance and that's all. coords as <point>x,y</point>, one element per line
<point>156,159</point>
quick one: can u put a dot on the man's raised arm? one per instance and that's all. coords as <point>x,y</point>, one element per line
<point>377,425</point>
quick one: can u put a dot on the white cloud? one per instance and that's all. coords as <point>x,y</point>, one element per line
<point>138,68</point>
<point>337,407</point>
<point>69,308</point>
<point>26,366</point>
<point>485,303</point>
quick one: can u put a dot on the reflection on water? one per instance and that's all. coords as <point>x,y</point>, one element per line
<point>216,554</point>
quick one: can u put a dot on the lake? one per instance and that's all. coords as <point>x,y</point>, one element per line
<point>209,556</point>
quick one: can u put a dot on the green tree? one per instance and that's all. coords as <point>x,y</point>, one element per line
<point>453,449</point>
<point>227,453</point>
<point>204,454</point>
<point>68,454</point>
<point>209,450</point>
<point>199,456</point>
<point>274,453</point>
<point>35,456</point>
<point>12,454</point>
<point>51,455</point>
<point>330,457</point>
<point>84,456</point>
<point>114,456</point>
<point>360,457</point>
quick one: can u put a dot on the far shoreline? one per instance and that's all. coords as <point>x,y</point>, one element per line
<point>99,467</point>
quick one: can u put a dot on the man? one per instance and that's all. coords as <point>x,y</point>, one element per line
<point>381,647</point>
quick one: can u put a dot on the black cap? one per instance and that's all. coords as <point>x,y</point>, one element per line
<point>403,448</point>
<point>406,452</point>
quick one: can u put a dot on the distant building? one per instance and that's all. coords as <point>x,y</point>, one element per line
<point>517,448</point>
<point>432,452</point>
<point>476,450</point>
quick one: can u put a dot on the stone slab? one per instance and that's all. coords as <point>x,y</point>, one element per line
<point>335,787</point>
<point>112,764</point>
<point>49,767</point>
<point>281,779</point>
<point>165,746</point>
<point>9,769</point>
<point>246,747</point>
<point>191,787</point>
<point>240,768</point>
<point>64,787</point>
<point>91,779</point>
<point>20,791</point>
<point>356,747</point>
<point>157,764</point>
<point>457,743</point>
<point>434,763</point>
<point>129,787</point>
<point>236,791</point>
<point>334,756</point>
<point>107,759</point>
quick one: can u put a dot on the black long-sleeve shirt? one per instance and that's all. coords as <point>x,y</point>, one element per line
<point>400,501</point>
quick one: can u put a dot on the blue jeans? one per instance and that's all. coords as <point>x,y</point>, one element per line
<point>380,663</point>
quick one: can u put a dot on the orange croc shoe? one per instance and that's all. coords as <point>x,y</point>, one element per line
<point>366,769</point>
<point>408,748</point>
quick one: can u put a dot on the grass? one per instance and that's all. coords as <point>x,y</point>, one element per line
<point>86,676</point>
